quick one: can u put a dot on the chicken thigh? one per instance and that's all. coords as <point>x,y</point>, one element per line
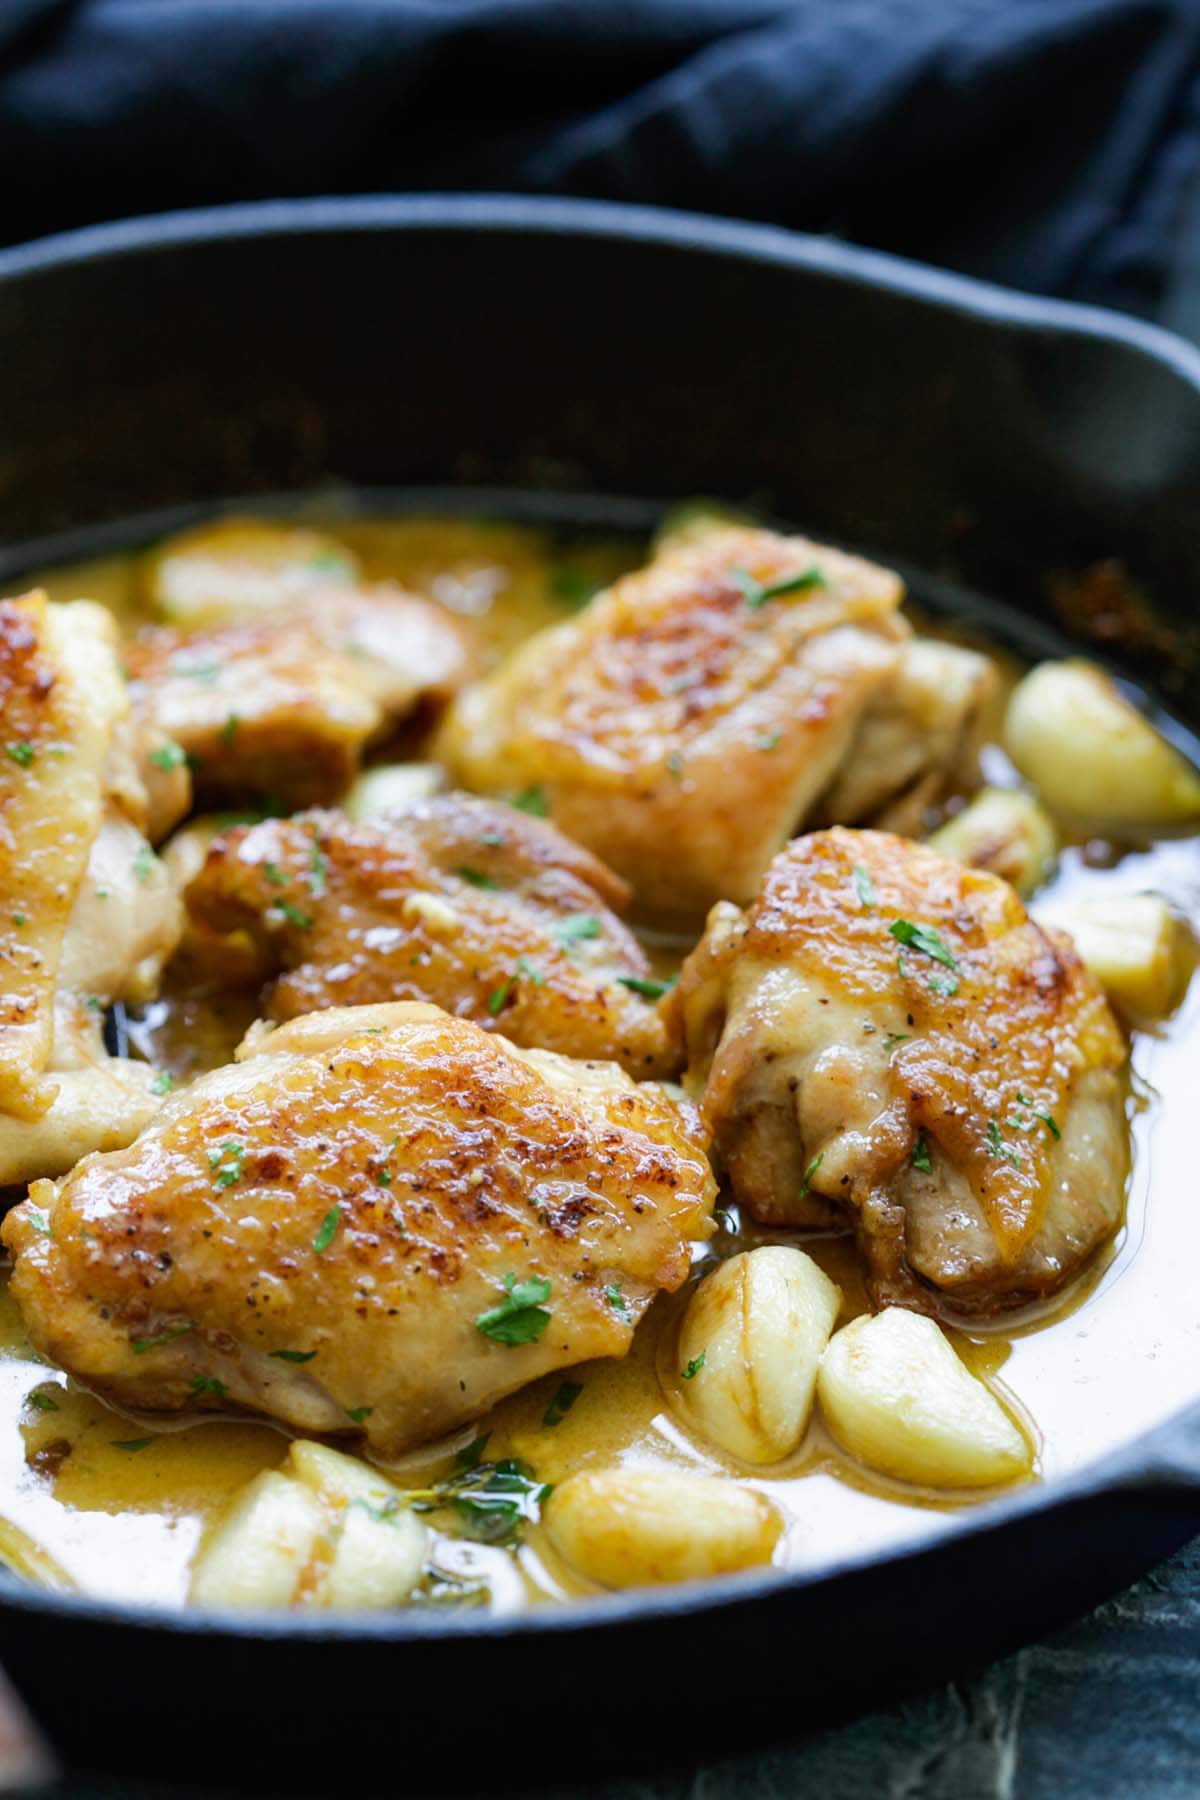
<point>468,903</point>
<point>886,1037</point>
<point>283,704</point>
<point>697,713</point>
<point>379,1218</point>
<point>87,915</point>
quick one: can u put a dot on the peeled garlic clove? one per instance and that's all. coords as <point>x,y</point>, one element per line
<point>391,787</point>
<point>895,1395</point>
<point>378,1542</point>
<point>260,1552</point>
<point>1005,832</point>
<point>636,1528</point>
<point>1132,943</point>
<point>752,1338</point>
<point>1092,755</point>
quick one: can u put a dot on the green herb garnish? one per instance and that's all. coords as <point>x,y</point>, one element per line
<point>168,756</point>
<point>811,1170</point>
<point>930,943</point>
<point>998,1147</point>
<point>477,878</point>
<point>648,988</point>
<point>226,1162</point>
<point>694,1367</point>
<point>295,915</point>
<point>43,1399</point>
<point>327,1230</point>
<point>131,1443</point>
<point>864,887</point>
<point>756,593</point>
<point>575,928</point>
<point>532,800</point>
<point>617,1301</point>
<point>520,1318</point>
<point>292,1356</point>
<point>208,1384</point>
<point>920,1158</point>
<point>22,753</point>
<point>141,1345</point>
<point>163,1082</point>
<point>143,862</point>
<point>359,1413</point>
<point>564,1399</point>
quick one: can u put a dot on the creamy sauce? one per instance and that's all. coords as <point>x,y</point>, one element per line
<point>117,1507</point>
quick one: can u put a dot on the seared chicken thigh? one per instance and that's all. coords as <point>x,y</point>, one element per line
<point>885,1036</point>
<point>696,714</point>
<point>380,1218</point>
<point>284,704</point>
<point>468,903</point>
<point>87,915</point>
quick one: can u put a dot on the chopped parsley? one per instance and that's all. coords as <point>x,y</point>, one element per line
<point>471,1455</point>
<point>131,1443</point>
<point>229,730</point>
<point>864,887</point>
<point>520,1318</point>
<point>694,1367</point>
<point>327,1230</point>
<point>477,878</point>
<point>275,874</point>
<point>292,1356</point>
<point>756,593</point>
<point>143,862</point>
<point>141,1345</point>
<point>19,919</point>
<point>38,1219</point>
<point>318,870</point>
<point>22,752</point>
<point>896,1037</point>
<point>226,1162</point>
<point>647,988</point>
<point>811,1170</point>
<point>997,1145</point>
<point>617,1301</point>
<point>565,1396</point>
<point>208,1384</point>
<point>675,764</point>
<point>359,1413</point>
<point>499,997</point>
<point>768,740</point>
<point>43,1400</point>
<point>532,800</point>
<point>492,839</point>
<point>575,928</point>
<point>294,915</point>
<point>163,1082</point>
<point>920,1158</point>
<point>1047,1119</point>
<point>168,756</point>
<point>527,970</point>
<point>930,943</point>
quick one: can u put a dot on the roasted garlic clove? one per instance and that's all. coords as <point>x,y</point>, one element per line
<point>1005,832</point>
<point>638,1527</point>
<point>895,1395</point>
<point>1133,944</point>
<point>1091,754</point>
<point>749,1349</point>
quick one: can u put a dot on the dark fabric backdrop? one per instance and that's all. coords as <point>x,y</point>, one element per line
<point>1049,143</point>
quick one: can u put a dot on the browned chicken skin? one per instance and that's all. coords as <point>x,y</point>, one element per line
<point>86,912</point>
<point>696,714</point>
<point>285,705</point>
<point>885,1036</point>
<point>468,903</point>
<point>315,1232</point>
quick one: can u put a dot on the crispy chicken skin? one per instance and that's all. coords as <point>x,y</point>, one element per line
<point>468,903</point>
<point>354,1192</point>
<point>285,705</point>
<point>885,1036</point>
<point>86,912</point>
<point>699,711</point>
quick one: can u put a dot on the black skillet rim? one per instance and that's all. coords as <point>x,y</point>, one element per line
<point>1164,1461</point>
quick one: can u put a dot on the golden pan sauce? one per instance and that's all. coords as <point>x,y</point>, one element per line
<point>117,1507</point>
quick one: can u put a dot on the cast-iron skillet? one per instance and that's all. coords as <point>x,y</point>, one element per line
<point>982,439</point>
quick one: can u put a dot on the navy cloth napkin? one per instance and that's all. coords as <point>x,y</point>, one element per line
<point>1052,144</point>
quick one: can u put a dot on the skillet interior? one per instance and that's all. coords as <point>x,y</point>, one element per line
<point>983,441</point>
